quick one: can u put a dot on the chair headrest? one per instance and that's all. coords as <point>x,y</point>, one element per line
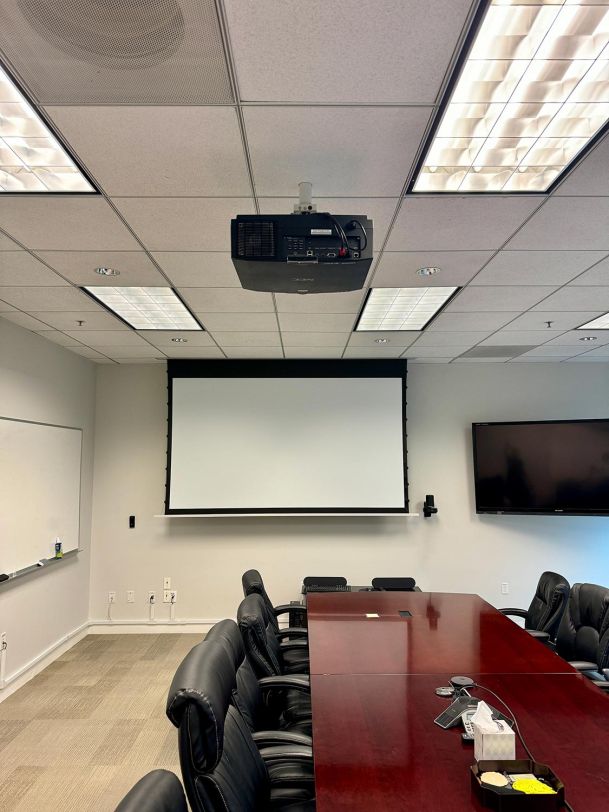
<point>549,583</point>
<point>158,791</point>
<point>199,696</point>
<point>397,584</point>
<point>252,613</point>
<point>252,582</point>
<point>227,633</point>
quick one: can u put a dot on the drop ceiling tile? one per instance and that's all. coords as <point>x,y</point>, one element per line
<point>459,223</point>
<point>265,322</point>
<point>58,223</point>
<point>87,352</point>
<point>536,320</point>
<point>590,176</point>
<point>139,361</point>
<point>572,298</point>
<point>91,320</point>
<point>315,322</point>
<point>227,300</point>
<point>597,352</point>
<point>397,338</point>
<point>135,267</point>
<point>497,298</point>
<point>538,359</point>
<point>21,268</point>
<point>461,339</point>
<point>325,43</point>
<point>58,338</point>
<point>429,361</point>
<point>313,352</point>
<point>296,339</point>
<point>547,350</point>
<point>480,360</point>
<point>130,351</point>
<point>599,275</point>
<point>567,224</point>
<point>524,337</point>
<point>373,352</point>
<point>24,320</point>
<point>420,351</point>
<point>108,338</point>
<point>49,299</point>
<point>5,307</point>
<point>586,358</point>
<point>536,267</point>
<point>6,244</point>
<point>247,339</point>
<point>379,209</point>
<point>342,151</point>
<point>574,338</point>
<point>183,223</point>
<point>164,338</point>
<point>399,268</point>
<point>199,269</point>
<point>471,322</point>
<point>161,151</point>
<point>320,302</point>
<point>253,352</point>
<point>193,352</point>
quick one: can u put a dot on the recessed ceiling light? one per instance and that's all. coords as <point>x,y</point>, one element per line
<point>381,340</point>
<point>102,271</point>
<point>146,308</point>
<point>31,158</point>
<point>588,338</point>
<point>180,340</point>
<point>430,271</point>
<point>531,95</point>
<point>402,308</point>
<point>601,323</point>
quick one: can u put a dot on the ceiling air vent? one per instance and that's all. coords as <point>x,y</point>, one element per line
<point>255,239</point>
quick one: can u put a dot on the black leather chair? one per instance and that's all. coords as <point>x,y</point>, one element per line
<point>394,584</point>
<point>222,768</point>
<point>583,633</point>
<point>253,584</point>
<point>268,657</point>
<point>158,791</point>
<point>273,707</point>
<point>543,616</point>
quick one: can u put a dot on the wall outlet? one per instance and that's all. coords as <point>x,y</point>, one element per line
<point>111,597</point>
<point>167,582</point>
<point>130,596</point>
<point>173,596</point>
<point>166,596</point>
<point>152,597</point>
<point>505,588</point>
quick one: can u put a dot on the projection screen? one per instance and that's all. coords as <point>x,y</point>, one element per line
<point>286,442</point>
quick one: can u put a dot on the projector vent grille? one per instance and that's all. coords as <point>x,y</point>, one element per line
<point>256,240</point>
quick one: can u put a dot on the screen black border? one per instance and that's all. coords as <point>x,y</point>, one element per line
<point>487,512</point>
<point>282,368</point>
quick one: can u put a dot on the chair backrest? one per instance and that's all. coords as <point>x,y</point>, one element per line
<point>548,604</point>
<point>158,791</point>
<point>394,584</point>
<point>259,638</point>
<point>583,633</point>
<point>324,580</point>
<point>221,767</point>
<point>254,585</point>
<point>247,696</point>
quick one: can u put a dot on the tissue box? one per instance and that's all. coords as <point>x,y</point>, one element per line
<point>494,746</point>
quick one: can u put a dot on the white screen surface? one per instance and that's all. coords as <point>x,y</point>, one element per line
<point>252,444</point>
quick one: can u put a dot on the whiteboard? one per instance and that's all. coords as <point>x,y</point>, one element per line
<point>40,467</point>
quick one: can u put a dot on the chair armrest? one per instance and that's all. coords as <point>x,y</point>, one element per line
<point>294,644</point>
<point>605,673</point>
<point>290,607</point>
<point>287,753</point>
<point>300,682</point>
<point>271,738</point>
<point>601,683</point>
<point>292,632</point>
<point>538,635</point>
<point>583,665</point>
<point>517,612</point>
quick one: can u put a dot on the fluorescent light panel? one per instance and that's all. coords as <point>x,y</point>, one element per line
<point>600,323</point>
<point>402,308</point>
<point>31,158</point>
<point>533,91</point>
<point>146,308</point>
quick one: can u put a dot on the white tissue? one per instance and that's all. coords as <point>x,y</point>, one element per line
<point>493,738</point>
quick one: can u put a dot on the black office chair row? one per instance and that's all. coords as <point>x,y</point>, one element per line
<point>574,620</point>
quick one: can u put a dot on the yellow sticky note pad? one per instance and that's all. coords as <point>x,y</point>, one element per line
<point>531,786</point>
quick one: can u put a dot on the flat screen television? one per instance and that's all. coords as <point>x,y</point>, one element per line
<point>553,467</point>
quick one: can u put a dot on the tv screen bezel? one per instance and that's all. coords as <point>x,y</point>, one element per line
<point>532,512</point>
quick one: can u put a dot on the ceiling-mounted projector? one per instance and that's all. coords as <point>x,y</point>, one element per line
<point>304,252</point>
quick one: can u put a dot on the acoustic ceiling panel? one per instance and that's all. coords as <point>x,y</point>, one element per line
<point>143,51</point>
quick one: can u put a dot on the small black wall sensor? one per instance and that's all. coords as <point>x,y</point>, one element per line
<point>131,522</point>
<point>429,507</point>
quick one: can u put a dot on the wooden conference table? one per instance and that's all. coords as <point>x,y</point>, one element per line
<point>373,682</point>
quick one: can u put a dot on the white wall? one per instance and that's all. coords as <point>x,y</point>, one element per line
<point>456,550</point>
<point>43,382</point>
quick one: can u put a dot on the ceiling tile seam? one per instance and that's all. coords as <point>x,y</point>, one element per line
<point>274,298</point>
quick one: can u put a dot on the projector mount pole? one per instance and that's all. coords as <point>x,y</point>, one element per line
<point>305,196</point>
